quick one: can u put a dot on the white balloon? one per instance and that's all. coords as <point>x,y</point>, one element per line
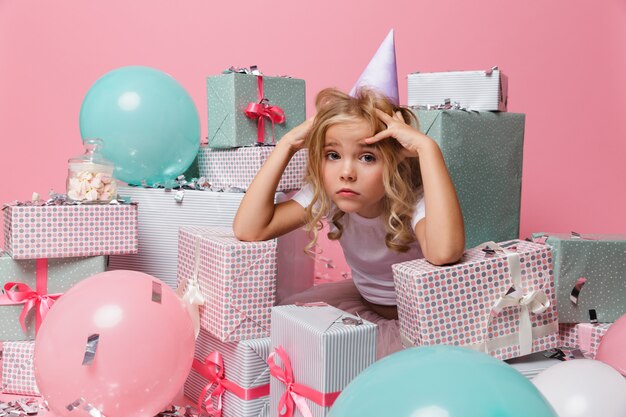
<point>583,388</point>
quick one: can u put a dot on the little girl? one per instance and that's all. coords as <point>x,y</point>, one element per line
<point>382,186</point>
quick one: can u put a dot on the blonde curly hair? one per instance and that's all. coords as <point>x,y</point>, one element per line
<point>401,176</point>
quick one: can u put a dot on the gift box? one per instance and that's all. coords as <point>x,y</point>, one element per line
<point>246,109</point>
<point>237,281</point>
<point>583,336</point>
<point>36,281</point>
<point>472,90</point>
<point>483,153</point>
<point>317,351</point>
<point>69,230</point>
<point>18,369</point>
<point>497,299</point>
<point>589,272</point>
<point>233,377</point>
<point>161,212</point>
<point>237,167</point>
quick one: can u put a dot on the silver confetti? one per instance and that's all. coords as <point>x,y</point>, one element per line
<point>156,292</point>
<point>90,349</point>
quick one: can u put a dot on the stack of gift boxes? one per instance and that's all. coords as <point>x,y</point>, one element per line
<point>49,247</point>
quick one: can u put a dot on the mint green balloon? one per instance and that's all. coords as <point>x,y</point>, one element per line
<point>441,381</point>
<point>147,121</point>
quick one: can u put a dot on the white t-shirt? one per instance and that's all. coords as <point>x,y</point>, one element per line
<point>363,244</point>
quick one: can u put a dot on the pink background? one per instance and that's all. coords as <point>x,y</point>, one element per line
<point>566,62</point>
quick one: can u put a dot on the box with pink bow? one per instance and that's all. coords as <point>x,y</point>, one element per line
<point>18,368</point>
<point>237,167</point>
<point>64,230</point>
<point>231,379</point>
<point>233,283</point>
<point>30,288</point>
<point>248,108</point>
<point>317,350</point>
<point>583,336</point>
<point>498,299</point>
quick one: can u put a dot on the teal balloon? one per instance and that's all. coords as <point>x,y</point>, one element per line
<point>441,381</point>
<point>147,121</point>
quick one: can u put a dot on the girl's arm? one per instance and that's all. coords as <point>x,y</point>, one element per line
<point>258,218</point>
<point>441,233</point>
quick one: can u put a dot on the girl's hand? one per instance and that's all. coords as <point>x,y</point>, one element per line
<point>296,137</point>
<point>410,138</point>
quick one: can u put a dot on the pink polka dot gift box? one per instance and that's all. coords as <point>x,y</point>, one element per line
<point>18,369</point>
<point>498,299</point>
<point>34,231</point>
<point>583,336</point>
<point>233,283</point>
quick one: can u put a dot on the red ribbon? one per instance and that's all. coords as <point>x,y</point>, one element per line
<point>296,394</point>
<point>20,293</point>
<point>213,370</point>
<point>262,110</point>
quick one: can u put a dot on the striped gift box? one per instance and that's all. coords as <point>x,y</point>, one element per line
<point>583,336</point>
<point>244,364</point>
<point>161,215</point>
<point>326,352</point>
<point>18,369</point>
<point>237,167</point>
<point>473,90</point>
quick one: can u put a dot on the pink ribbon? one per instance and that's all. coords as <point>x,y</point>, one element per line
<point>262,110</point>
<point>296,394</point>
<point>213,370</point>
<point>20,293</point>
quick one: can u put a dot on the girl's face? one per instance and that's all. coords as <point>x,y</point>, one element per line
<point>353,170</point>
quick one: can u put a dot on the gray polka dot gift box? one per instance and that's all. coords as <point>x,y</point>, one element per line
<point>483,152</point>
<point>498,299</point>
<point>238,368</point>
<point>247,109</point>
<point>41,280</point>
<point>18,368</point>
<point>237,167</point>
<point>583,336</point>
<point>316,351</point>
<point>235,280</point>
<point>590,275</point>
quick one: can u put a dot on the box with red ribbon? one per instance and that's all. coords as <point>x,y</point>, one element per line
<point>232,282</point>
<point>247,108</point>
<point>583,336</point>
<point>317,350</point>
<point>237,167</point>
<point>30,288</point>
<point>65,230</point>
<point>230,379</point>
<point>498,299</point>
<point>18,368</point>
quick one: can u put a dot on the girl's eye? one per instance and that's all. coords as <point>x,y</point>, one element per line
<point>368,157</point>
<point>332,156</point>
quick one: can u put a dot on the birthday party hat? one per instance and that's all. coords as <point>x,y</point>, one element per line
<point>381,73</point>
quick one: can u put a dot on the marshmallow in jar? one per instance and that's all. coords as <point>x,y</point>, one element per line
<point>90,176</point>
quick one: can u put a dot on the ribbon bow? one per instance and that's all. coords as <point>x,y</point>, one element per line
<point>295,394</point>
<point>213,370</point>
<point>263,110</point>
<point>20,293</point>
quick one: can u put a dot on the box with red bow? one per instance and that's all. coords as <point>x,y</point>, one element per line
<point>18,368</point>
<point>583,336</point>
<point>230,379</point>
<point>316,352</point>
<point>237,167</point>
<point>247,108</point>
<point>498,299</point>
<point>30,287</point>
<point>232,282</point>
<point>65,230</point>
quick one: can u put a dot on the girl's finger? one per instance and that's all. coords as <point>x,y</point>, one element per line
<point>377,137</point>
<point>384,116</point>
<point>398,116</point>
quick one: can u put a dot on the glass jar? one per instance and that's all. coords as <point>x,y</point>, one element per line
<point>90,176</point>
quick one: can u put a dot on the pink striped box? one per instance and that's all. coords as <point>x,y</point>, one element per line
<point>66,231</point>
<point>501,302</point>
<point>18,370</point>
<point>237,167</point>
<point>583,336</point>
<point>236,279</point>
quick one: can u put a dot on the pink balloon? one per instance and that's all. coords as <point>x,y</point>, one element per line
<point>612,348</point>
<point>144,352</point>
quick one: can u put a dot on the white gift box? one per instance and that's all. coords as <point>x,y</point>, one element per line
<point>472,90</point>
<point>160,216</point>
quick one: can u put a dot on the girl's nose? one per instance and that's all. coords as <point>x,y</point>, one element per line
<point>347,172</point>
